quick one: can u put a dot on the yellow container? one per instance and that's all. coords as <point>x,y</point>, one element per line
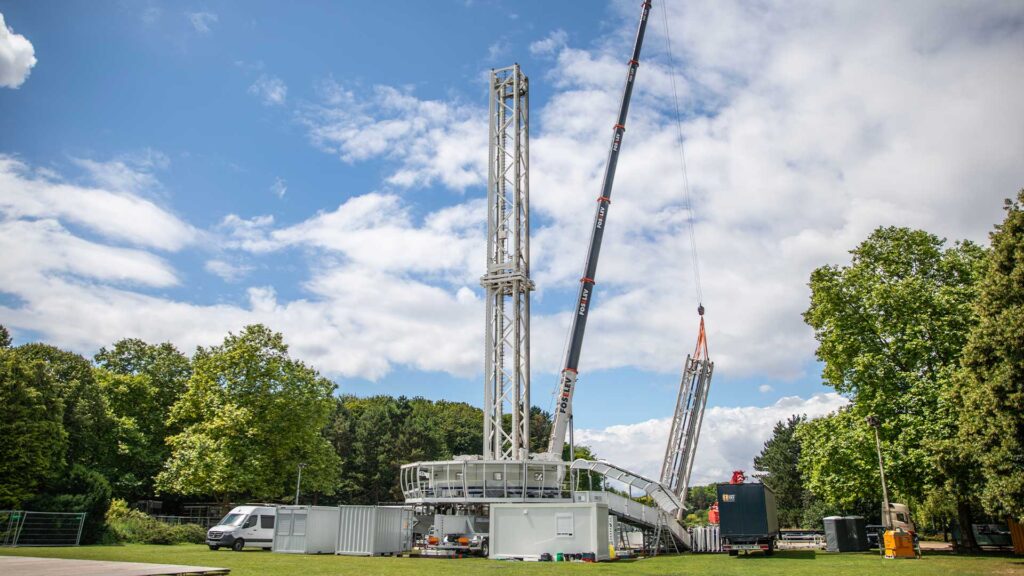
<point>899,544</point>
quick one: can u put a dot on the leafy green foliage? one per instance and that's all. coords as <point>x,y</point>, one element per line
<point>82,490</point>
<point>130,525</point>
<point>777,463</point>
<point>86,418</point>
<point>5,337</point>
<point>34,441</point>
<point>890,328</point>
<point>250,416</point>
<point>141,382</point>
<point>992,383</point>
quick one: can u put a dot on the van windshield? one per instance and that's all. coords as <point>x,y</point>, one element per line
<point>232,520</point>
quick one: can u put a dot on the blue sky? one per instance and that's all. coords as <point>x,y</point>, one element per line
<point>173,171</point>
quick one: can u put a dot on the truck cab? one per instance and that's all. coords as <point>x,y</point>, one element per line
<point>244,526</point>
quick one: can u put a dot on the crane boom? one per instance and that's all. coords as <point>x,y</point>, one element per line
<point>563,409</point>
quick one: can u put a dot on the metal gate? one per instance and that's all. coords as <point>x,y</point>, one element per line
<point>28,528</point>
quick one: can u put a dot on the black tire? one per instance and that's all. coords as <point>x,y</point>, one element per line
<point>267,549</point>
<point>485,549</point>
<point>214,547</point>
<point>237,545</point>
<point>770,550</point>
<point>734,552</point>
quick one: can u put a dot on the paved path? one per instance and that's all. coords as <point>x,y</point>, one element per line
<point>25,566</point>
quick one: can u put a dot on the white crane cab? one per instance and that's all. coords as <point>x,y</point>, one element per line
<point>244,526</point>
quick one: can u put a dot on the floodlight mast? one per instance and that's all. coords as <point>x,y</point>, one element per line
<point>563,408</point>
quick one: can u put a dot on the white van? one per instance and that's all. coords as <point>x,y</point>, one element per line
<point>251,526</point>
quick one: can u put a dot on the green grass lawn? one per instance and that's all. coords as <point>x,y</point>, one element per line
<point>783,563</point>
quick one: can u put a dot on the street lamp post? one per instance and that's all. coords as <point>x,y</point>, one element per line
<point>298,482</point>
<point>886,519</point>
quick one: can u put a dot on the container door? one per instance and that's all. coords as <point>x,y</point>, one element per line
<point>298,537</point>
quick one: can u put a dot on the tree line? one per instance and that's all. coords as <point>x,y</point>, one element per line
<point>231,423</point>
<point>929,339</point>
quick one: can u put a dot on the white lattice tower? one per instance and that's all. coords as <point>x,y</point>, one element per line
<point>507,281</point>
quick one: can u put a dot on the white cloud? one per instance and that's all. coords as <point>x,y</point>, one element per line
<point>765,388</point>
<point>36,249</point>
<point>279,188</point>
<point>227,271</point>
<point>270,89</point>
<point>372,299</point>
<point>553,43</point>
<point>432,141</point>
<point>201,21</point>
<point>497,50</point>
<point>17,56</point>
<point>376,232</point>
<point>112,212</point>
<point>729,438</point>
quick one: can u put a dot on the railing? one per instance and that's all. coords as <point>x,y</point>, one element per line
<point>28,528</point>
<point>204,521</point>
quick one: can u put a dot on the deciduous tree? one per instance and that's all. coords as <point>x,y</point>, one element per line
<point>992,383</point>
<point>890,327</point>
<point>250,416</point>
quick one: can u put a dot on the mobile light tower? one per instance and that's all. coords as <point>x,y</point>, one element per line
<point>507,279</point>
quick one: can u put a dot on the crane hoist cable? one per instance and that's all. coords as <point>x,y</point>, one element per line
<point>682,165</point>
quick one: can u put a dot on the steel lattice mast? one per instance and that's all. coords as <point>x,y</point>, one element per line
<point>507,281</point>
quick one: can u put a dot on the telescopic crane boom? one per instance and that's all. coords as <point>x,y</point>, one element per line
<point>563,410</point>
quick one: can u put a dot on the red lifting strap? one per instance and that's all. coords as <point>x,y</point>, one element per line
<point>634,62</point>
<point>619,127</point>
<point>702,342</point>
<point>573,370</point>
<point>604,199</point>
<point>585,279</point>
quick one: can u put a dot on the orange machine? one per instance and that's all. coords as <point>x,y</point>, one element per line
<point>899,544</point>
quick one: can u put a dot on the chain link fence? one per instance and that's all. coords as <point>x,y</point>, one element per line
<point>28,528</point>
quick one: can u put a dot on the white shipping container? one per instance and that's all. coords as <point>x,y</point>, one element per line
<point>373,530</point>
<point>529,530</point>
<point>306,529</point>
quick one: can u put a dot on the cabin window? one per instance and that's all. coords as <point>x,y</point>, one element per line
<point>249,522</point>
<point>266,522</point>
<point>900,516</point>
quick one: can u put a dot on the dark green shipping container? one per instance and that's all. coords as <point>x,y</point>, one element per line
<point>747,512</point>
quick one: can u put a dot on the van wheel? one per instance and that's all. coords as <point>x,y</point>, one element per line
<point>214,548</point>
<point>237,545</point>
<point>485,549</point>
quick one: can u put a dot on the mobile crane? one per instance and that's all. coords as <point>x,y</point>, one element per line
<point>585,296</point>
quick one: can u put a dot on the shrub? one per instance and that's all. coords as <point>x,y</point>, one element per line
<point>133,526</point>
<point>189,533</point>
<point>83,490</point>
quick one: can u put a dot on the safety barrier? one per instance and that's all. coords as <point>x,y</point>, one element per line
<point>28,528</point>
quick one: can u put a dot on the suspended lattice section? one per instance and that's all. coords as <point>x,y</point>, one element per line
<point>687,418</point>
